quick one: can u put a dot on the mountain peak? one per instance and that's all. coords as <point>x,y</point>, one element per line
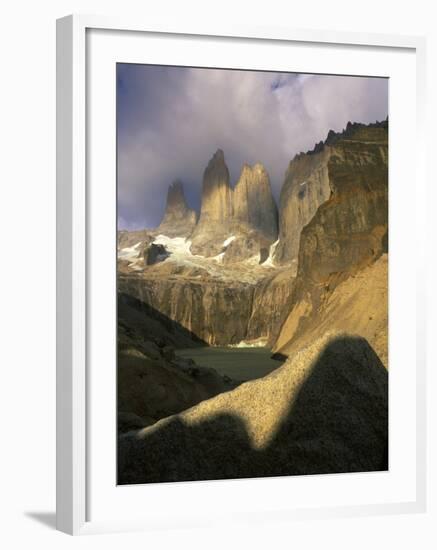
<point>175,195</point>
<point>253,172</point>
<point>178,217</point>
<point>219,154</point>
<point>253,201</point>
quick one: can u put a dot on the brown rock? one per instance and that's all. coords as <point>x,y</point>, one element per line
<point>347,234</point>
<point>358,305</point>
<point>254,206</point>
<point>216,208</point>
<point>305,188</point>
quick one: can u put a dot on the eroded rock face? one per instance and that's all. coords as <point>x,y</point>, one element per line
<point>215,311</point>
<point>216,208</point>
<point>253,203</point>
<point>246,216</point>
<point>324,411</point>
<point>270,306</point>
<point>244,305</point>
<point>305,188</point>
<point>179,220</point>
<point>347,233</point>
<point>247,245</point>
<point>311,178</point>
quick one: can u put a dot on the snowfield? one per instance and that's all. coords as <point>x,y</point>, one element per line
<point>179,253</point>
<point>129,253</point>
<point>177,246</point>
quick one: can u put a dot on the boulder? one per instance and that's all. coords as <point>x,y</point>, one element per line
<point>155,253</point>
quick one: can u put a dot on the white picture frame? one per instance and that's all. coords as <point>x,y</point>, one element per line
<point>73,264</point>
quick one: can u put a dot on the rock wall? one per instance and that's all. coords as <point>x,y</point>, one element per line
<point>349,230</point>
<point>216,208</point>
<point>270,306</point>
<point>344,161</point>
<point>246,213</point>
<point>348,233</point>
<point>306,187</point>
<point>216,311</point>
<point>253,202</point>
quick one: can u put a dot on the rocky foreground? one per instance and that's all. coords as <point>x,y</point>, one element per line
<point>308,280</point>
<point>324,411</point>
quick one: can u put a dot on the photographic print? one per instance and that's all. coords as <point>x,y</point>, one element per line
<point>252,274</point>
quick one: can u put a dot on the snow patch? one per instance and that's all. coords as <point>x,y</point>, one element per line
<point>269,261</point>
<point>228,241</point>
<point>259,343</point>
<point>180,253</point>
<point>129,252</point>
<point>179,246</point>
<point>303,183</point>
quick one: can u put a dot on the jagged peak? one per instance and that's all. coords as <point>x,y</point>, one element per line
<point>219,155</point>
<point>176,185</point>
<point>216,172</point>
<point>333,137</point>
<point>175,194</point>
<point>258,167</point>
<point>177,212</point>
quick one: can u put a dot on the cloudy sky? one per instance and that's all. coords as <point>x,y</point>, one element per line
<point>172,119</point>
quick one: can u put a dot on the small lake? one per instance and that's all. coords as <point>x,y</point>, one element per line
<point>237,363</point>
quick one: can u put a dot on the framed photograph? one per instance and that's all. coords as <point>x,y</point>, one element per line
<point>233,253</point>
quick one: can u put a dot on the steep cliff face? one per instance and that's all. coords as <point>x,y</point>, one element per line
<point>235,222</point>
<point>348,232</point>
<point>216,208</point>
<point>219,311</point>
<point>271,303</point>
<point>179,220</point>
<point>344,161</point>
<point>306,187</point>
<point>253,203</point>
<point>215,311</point>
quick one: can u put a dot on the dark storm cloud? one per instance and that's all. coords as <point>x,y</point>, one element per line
<point>171,120</point>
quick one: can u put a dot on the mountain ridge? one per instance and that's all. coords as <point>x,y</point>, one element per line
<point>332,223</point>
